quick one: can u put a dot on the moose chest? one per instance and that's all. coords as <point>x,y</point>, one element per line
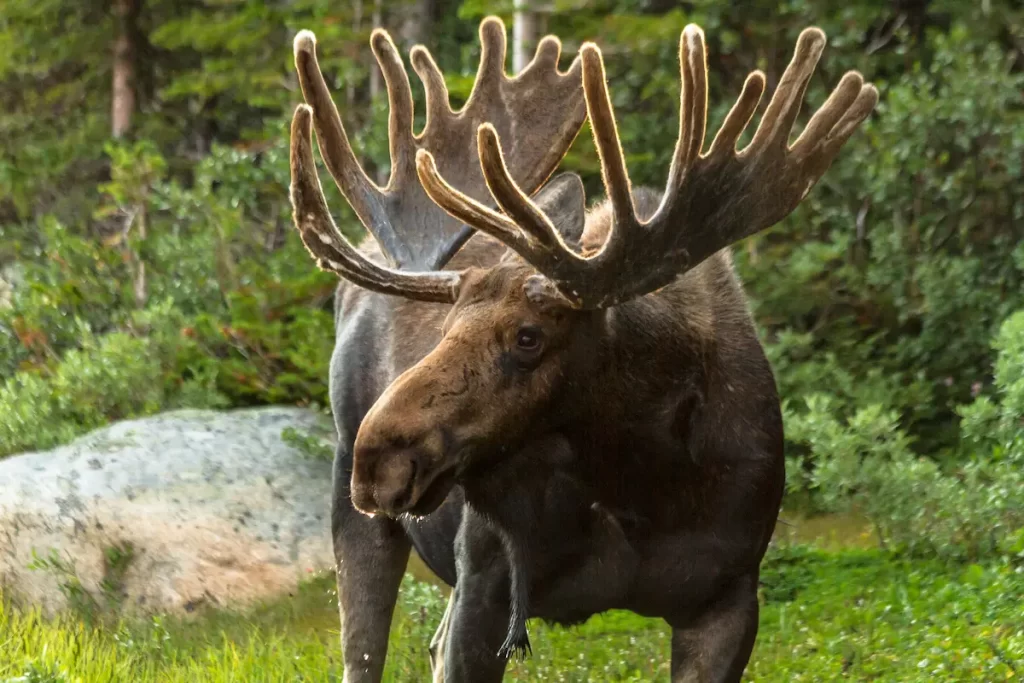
<point>564,548</point>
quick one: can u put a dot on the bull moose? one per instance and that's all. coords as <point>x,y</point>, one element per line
<point>563,410</point>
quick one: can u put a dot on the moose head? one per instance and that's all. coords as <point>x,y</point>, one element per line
<point>519,333</point>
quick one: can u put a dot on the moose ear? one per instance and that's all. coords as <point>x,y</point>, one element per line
<point>564,202</point>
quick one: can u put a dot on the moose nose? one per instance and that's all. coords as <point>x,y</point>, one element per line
<point>395,481</point>
<point>384,480</point>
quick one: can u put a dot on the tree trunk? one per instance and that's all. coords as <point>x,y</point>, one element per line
<point>139,280</point>
<point>418,24</point>
<point>377,172</point>
<point>357,24</point>
<point>123,100</point>
<point>375,75</point>
<point>524,35</point>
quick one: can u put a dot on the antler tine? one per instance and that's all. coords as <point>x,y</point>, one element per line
<point>400,106</point>
<point>825,119</point>
<point>693,103</point>
<point>832,125</point>
<point>330,248</point>
<point>436,90</point>
<point>467,209</point>
<point>609,149</point>
<point>739,116</point>
<point>784,107</point>
<point>549,49</point>
<point>861,108</point>
<point>362,193</point>
<point>491,72</point>
<point>525,214</point>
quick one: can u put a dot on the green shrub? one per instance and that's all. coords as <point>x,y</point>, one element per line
<point>889,281</point>
<point>72,280</point>
<point>313,444</point>
<point>111,377</point>
<point>971,508</point>
<point>122,374</point>
<point>28,416</point>
<point>234,312</point>
<point>998,425</point>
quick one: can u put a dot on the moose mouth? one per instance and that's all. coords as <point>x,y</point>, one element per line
<point>433,494</point>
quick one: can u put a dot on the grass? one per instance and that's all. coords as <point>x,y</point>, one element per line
<point>849,615</point>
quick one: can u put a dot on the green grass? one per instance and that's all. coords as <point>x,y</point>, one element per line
<point>849,615</point>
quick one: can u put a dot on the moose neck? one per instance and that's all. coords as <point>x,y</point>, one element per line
<point>631,399</point>
<point>643,357</point>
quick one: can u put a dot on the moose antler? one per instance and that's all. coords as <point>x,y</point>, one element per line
<point>539,113</point>
<point>711,200</point>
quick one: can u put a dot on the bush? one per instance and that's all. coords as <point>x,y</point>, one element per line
<point>972,508</point>
<point>231,310</point>
<point>998,426</point>
<point>888,283</point>
<point>119,375</point>
<point>112,377</point>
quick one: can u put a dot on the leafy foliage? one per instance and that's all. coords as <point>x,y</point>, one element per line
<point>161,270</point>
<point>972,508</point>
<point>229,318</point>
<point>895,274</point>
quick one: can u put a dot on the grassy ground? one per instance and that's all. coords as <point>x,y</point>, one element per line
<point>850,615</point>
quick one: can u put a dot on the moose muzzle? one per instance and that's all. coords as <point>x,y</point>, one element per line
<point>402,457</point>
<point>393,481</point>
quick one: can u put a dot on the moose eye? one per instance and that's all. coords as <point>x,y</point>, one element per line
<point>528,339</point>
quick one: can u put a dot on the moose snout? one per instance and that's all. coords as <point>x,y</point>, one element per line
<point>385,480</point>
<point>402,456</point>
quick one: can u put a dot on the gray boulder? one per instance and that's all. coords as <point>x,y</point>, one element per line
<point>168,512</point>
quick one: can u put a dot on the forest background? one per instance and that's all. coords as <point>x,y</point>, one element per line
<point>148,260</point>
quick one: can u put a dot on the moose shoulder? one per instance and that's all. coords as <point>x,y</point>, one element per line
<point>571,411</point>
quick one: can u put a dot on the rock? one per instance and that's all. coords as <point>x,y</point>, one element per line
<point>215,506</point>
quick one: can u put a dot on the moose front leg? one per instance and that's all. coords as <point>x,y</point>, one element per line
<point>476,630</point>
<point>371,556</point>
<point>716,646</point>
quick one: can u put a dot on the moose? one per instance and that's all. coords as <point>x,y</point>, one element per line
<point>563,409</point>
